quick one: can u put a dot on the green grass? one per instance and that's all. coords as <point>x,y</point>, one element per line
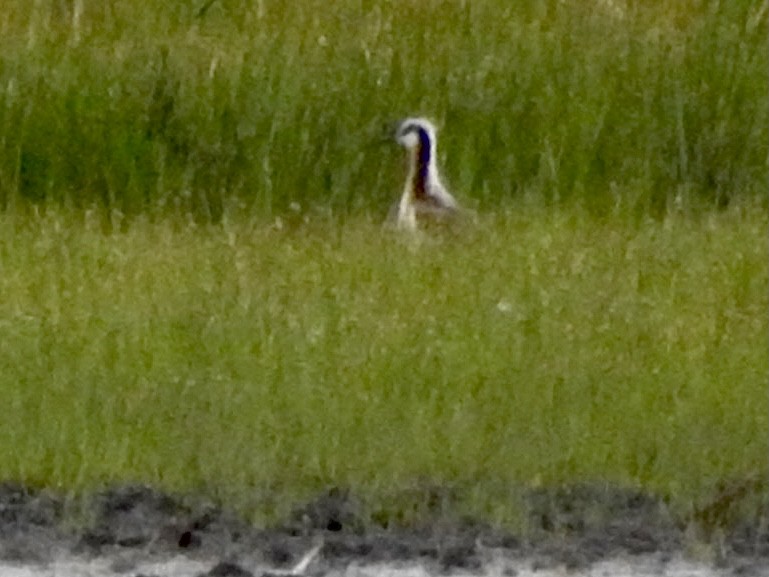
<point>257,105</point>
<point>262,365</point>
<point>607,320</point>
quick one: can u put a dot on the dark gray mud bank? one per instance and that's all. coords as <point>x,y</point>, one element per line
<point>571,528</point>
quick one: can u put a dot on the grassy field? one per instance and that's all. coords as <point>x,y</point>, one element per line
<point>263,365</point>
<point>196,291</point>
<point>256,105</point>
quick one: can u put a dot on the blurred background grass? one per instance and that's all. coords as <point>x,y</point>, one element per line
<point>200,107</point>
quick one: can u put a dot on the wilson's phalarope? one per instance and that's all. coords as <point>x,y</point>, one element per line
<point>424,196</point>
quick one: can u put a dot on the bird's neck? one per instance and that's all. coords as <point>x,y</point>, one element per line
<point>423,171</point>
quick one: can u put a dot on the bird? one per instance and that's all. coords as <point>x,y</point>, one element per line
<point>424,197</point>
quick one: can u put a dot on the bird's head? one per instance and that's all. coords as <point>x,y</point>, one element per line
<point>415,131</point>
